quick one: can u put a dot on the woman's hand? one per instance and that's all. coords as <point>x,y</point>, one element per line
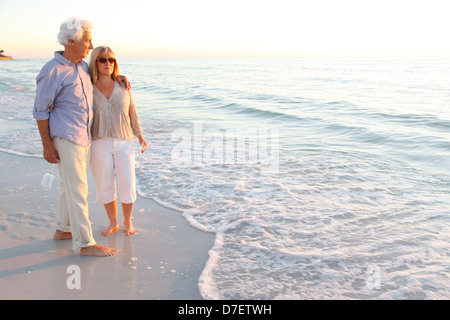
<point>143,143</point>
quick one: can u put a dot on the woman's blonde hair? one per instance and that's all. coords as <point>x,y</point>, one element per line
<point>93,70</point>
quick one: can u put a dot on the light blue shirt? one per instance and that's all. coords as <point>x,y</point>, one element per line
<point>69,87</point>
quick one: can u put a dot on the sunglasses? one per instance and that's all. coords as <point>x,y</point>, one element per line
<point>103,60</point>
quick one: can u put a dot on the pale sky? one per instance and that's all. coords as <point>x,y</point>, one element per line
<point>241,28</point>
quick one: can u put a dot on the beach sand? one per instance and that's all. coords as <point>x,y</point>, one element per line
<point>162,261</point>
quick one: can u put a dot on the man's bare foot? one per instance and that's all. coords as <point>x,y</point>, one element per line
<point>97,251</point>
<point>109,230</point>
<point>60,235</point>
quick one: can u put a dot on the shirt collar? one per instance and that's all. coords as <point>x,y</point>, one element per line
<point>60,58</point>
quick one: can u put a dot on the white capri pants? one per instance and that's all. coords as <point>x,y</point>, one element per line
<point>109,155</point>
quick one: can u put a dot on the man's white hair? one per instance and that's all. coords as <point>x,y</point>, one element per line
<point>73,29</point>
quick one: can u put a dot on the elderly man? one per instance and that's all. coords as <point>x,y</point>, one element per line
<point>63,112</point>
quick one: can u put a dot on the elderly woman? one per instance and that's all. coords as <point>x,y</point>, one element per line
<point>115,122</point>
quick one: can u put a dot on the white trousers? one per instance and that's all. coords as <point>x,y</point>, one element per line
<point>73,212</point>
<point>109,156</point>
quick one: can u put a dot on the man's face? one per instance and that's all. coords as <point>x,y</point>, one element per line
<point>84,45</point>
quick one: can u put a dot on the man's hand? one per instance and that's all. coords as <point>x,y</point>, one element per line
<point>124,82</point>
<point>50,154</point>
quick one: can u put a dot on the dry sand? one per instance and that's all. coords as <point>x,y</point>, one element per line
<point>163,260</point>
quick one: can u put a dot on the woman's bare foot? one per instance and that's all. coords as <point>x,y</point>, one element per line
<point>60,235</point>
<point>97,251</point>
<point>129,229</point>
<point>109,230</point>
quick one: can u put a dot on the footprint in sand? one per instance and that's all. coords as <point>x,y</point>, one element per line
<point>26,218</point>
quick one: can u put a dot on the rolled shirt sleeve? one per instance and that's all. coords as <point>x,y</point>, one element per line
<point>47,89</point>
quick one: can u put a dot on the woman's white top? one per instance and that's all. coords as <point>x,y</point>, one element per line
<point>116,116</point>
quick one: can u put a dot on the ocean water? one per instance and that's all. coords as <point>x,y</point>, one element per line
<point>321,178</point>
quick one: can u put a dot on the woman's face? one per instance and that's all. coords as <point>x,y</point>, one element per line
<point>105,64</point>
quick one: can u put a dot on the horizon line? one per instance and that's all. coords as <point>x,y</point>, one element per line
<point>237,56</point>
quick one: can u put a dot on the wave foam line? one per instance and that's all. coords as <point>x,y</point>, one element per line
<point>21,154</point>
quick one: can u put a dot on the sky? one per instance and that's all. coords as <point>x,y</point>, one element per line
<point>234,28</point>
